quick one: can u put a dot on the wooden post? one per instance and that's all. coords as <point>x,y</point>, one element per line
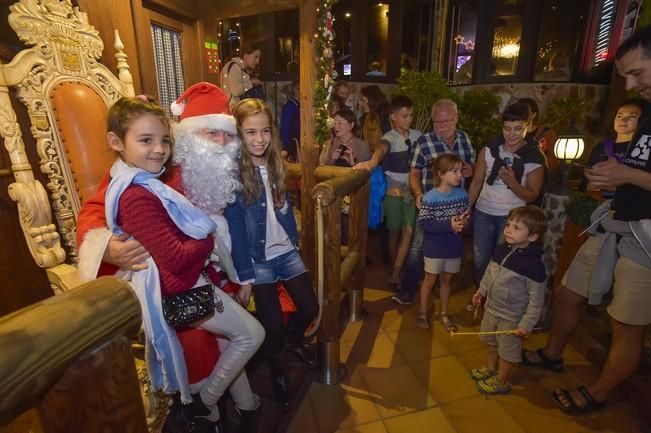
<point>309,149</point>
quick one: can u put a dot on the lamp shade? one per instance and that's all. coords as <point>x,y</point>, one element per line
<point>569,147</point>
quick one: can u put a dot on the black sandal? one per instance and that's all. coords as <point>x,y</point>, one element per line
<point>555,365</point>
<point>563,399</point>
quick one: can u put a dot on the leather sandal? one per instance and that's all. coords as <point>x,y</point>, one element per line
<point>423,321</point>
<point>554,365</point>
<point>446,321</point>
<point>564,400</point>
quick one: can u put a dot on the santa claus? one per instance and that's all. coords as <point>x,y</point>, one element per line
<point>206,172</point>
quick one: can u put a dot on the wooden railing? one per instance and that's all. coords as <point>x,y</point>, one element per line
<point>70,357</point>
<point>343,267</point>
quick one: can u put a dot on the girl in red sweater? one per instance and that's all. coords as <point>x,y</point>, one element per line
<point>179,238</point>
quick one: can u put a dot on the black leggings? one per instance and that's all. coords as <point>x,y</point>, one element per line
<point>271,316</point>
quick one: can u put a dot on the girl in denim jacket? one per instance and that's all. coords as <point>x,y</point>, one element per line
<point>269,253</point>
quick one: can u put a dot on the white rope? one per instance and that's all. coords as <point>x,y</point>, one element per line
<point>319,264</point>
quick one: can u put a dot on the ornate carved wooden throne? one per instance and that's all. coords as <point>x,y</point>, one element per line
<point>67,93</point>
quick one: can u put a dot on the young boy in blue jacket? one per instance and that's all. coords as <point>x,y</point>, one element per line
<point>514,287</point>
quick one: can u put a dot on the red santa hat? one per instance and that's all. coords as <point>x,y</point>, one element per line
<point>204,105</point>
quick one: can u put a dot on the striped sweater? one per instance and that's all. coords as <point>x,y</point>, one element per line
<point>435,217</point>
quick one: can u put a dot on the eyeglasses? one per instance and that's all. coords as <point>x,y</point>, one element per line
<point>443,121</point>
<point>626,118</point>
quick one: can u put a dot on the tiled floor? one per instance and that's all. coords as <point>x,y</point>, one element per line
<point>402,379</point>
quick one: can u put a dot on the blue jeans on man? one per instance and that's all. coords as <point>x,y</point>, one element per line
<point>488,231</point>
<point>412,269</point>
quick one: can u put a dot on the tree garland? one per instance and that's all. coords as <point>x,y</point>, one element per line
<point>325,71</point>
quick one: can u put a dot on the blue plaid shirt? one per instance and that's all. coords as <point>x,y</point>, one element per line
<point>429,146</point>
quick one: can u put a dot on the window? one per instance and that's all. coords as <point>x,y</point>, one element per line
<point>462,53</point>
<point>377,47</point>
<point>287,41</point>
<point>416,35</point>
<point>169,64</point>
<point>507,37</point>
<point>343,43</point>
<point>561,23</point>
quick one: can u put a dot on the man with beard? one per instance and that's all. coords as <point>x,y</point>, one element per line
<point>206,171</point>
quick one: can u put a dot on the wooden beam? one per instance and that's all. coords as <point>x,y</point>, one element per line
<point>309,149</point>
<point>41,341</point>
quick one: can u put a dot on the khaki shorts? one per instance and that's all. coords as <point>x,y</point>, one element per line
<point>509,347</point>
<point>631,290</point>
<point>436,266</point>
<point>398,213</point>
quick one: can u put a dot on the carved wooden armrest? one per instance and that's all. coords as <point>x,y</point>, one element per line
<point>63,278</point>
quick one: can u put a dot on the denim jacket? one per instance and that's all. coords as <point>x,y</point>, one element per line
<point>247,224</point>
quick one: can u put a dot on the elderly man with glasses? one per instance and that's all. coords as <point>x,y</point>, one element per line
<point>444,138</point>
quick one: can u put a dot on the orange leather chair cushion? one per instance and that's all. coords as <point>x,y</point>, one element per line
<point>80,115</point>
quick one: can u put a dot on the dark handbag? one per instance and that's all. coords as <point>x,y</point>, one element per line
<point>255,92</point>
<point>183,309</point>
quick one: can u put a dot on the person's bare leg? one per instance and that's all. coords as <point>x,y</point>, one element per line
<point>493,358</point>
<point>394,238</point>
<point>567,309</point>
<point>504,370</point>
<point>444,290</point>
<point>623,359</point>
<point>425,289</point>
<point>401,253</point>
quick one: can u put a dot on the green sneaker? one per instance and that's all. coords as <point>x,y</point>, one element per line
<point>492,386</point>
<point>481,373</point>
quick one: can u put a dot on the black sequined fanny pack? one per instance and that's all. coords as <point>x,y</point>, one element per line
<point>183,309</point>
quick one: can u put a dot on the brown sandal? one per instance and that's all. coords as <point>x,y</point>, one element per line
<point>446,321</point>
<point>423,321</point>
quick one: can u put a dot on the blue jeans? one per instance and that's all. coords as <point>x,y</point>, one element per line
<point>488,231</point>
<point>283,268</point>
<point>413,267</point>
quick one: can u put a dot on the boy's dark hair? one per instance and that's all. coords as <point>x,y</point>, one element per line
<point>519,111</point>
<point>639,39</point>
<point>399,102</point>
<point>532,217</point>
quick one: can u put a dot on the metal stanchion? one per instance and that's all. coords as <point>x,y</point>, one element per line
<point>331,371</point>
<point>356,304</point>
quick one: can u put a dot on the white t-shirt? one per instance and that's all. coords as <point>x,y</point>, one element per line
<point>497,199</point>
<point>277,241</point>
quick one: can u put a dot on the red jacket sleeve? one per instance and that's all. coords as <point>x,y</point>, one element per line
<point>142,215</point>
<point>92,214</point>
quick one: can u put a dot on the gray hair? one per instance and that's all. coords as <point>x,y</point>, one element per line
<point>445,104</point>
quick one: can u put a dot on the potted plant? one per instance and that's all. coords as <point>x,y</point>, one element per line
<point>423,88</point>
<point>479,116</point>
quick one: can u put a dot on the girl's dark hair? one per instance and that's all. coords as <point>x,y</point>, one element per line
<point>248,48</point>
<point>637,102</point>
<point>377,100</point>
<point>349,116</point>
<point>126,110</point>
<point>533,108</point>
<point>443,164</point>
<point>517,112</point>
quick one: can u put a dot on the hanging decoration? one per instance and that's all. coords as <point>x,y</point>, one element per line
<point>326,73</point>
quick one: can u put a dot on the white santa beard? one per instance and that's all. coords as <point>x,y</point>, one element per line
<point>210,174</point>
